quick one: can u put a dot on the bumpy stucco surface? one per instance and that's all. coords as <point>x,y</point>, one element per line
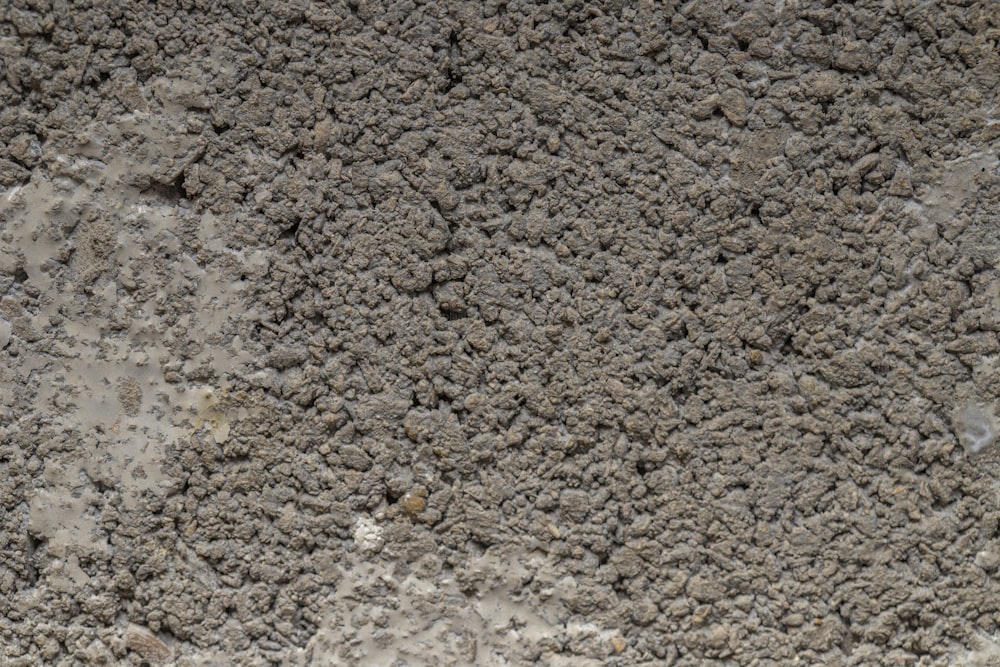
<point>480,333</point>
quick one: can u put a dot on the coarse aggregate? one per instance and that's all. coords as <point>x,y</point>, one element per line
<point>499,333</point>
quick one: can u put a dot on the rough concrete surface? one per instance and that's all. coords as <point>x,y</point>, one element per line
<point>485,333</point>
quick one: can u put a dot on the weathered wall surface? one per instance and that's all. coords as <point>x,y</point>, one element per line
<point>468,333</point>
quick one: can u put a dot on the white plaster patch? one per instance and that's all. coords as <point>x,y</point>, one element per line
<point>368,534</point>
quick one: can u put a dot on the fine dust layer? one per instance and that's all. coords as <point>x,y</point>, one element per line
<point>484,333</point>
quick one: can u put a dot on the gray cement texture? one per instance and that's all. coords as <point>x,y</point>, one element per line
<point>499,333</point>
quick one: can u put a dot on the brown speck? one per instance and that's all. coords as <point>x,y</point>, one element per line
<point>147,646</point>
<point>414,502</point>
